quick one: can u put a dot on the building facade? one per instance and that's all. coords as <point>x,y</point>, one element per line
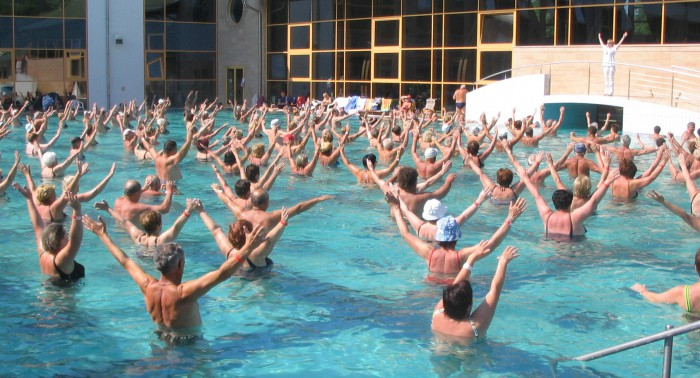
<point>109,51</point>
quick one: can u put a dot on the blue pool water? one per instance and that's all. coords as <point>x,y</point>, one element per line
<point>347,297</point>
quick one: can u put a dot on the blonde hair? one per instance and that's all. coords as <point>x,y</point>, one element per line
<point>427,136</point>
<point>258,150</point>
<point>301,160</point>
<point>582,186</point>
<point>44,193</point>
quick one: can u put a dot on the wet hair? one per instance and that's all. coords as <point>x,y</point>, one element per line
<point>170,147</point>
<point>258,150</point>
<point>457,299</point>
<point>44,193</point>
<point>202,144</point>
<point>657,129</point>
<point>259,198</point>
<point>374,133</point>
<point>75,142</point>
<point>150,220</point>
<point>242,188</point>
<point>326,148</point>
<point>236,232</point>
<point>518,124</point>
<point>155,181</point>
<point>529,131</point>
<point>562,198</point>
<point>51,237</point>
<point>252,172</point>
<point>615,128</point>
<point>473,147</point>
<point>387,143</point>
<point>132,187</point>
<point>427,136</point>
<point>396,130</point>
<point>592,130</point>
<point>369,157</point>
<point>302,160</point>
<point>190,117</point>
<point>31,136</point>
<point>582,186</point>
<point>230,158</point>
<point>660,142</point>
<point>167,257</point>
<point>449,245</point>
<point>626,140</point>
<point>627,168</point>
<point>327,136</point>
<point>504,177</point>
<point>407,179</point>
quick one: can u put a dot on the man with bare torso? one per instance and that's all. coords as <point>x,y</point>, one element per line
<point>460,97</point>
<point>579,165</point>
<point>167,161</point>
<point>129,207</point>
<point>260,200</point>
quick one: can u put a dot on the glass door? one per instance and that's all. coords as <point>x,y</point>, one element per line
<point>495,46</point>
<point>235,84</point>
<point>386,57</point>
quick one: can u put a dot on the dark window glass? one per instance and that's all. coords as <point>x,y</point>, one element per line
<point>562,27</point>
<point>155,34</point>
<point>75,8</point>
<point>191,10</point>
<point>75,34</point>
<point>274,89</point>
<point>190,66</point>
<point>39,8</point>
<point>236,10</point>
<point>681,24</point>
<point>497,28</point>
<point>324,36</point>
<point>358,34</point>
<point>416,31</point>
<point>300,36</point>
<point>357,65</point>
<point>563,2</point>
<point>75,65</point>
<point>39,33</point>
<point>339,66</point>
<point>586,23</point>
<point>386,33</point>
<point>642,22</point>
<point>437,31</point>
<point>592,2</point>
<point>323,10</point>
<point>535,3</point>
<point>154,65</point>
<point>155,10</point>
<point>437,65</point>
<point>535,27</point>
<point>418,6</point>
<point>386,66</point>
<point>418,92</point>
<point>323,66</point>
<point>299,66</point>
<point>460,66</point>
<point>358,8</point>
<point>384,8</point>
<point>437,95</point>
<point>177,90</point>
<point>460,5</point>
<point>496,4</point>
<point>277,11</point>
<point>5,32</point>
<point>6,66</point>
<point>190,37</point>
<point>277,66</point>
<point>437,6</point>
<point>416,65</point>
<point>6,7</point>
<point>460,30</point>
<point>496,61</point>
<point>299,10</point>
<point>297,89</point>
<point>277,38</point>
<point>386,90</point>
<point>357,89</point>
<point>340,9</point>
<point>340,35</point>
<point>154,89</point>
<point>320,88</point>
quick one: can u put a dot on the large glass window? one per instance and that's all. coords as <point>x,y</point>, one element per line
<point>418,6</point>
<point>191,10</point>
<point>299,10</point>
<point>277,66</point>
<point>386,33</point>
<point>320,88</point>
<point>460,5</point>
<point>75,8</point>
<point>5,7</point>
<point>496,4</point>
<point>460,66</point>
<point>437,65</point>
<point>682,25</point>
<point>357,65</point>
<point>460,30</point>
<point>277,38</point>
<point>386,66</point>
<point>155,63</point>
<point>643,22</point>
<point>39,8</point>
<point>323,10</point>
<point>75,34</point>
<point>155,35</point>
<point>358,8</point>
<point>300,37</point>
<point>358,34</point>
<point>190,65</point>
<point>177,90</point>
<point>299,66</point>
<point>5,32</point>
<point>39,33</point>
<point>496,61</point>
<point>437,31</point>
<point>562,27</point>
<point>323,64</point>
<point>416,31</point>
<point>497,28</point>
<point>190,37</point>
<point>587,22</point>
<point>535,27</point>
<point>299,89</point>
<point>6,67</point>
<point>155,10</point>
<point>383,8</point>
<point>415,65</point>
<point>324,36</point>
<point>277,11</point>
<point>386,90</point>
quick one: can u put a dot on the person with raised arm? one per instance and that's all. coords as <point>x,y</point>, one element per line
<point>57,248</point>
<point>505,192</point>
<point>9,179</point>
<point>627,186</point>
<point>445,260</point>
<point>686,297</point>
<point>578,164</point>
<point>129,207</point>
<point>259,215</point>
<point>453,315</point>
<point>172,303</point>
<point>431,166</point>
<point>609,50</point>
<point>472,151</point>
<point>50,168</point>
<point>168,160</point>
<point>691,220</point>
<point>363,175</point>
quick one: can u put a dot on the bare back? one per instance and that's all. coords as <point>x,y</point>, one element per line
<point>167,168</point>
<point>167,308</point>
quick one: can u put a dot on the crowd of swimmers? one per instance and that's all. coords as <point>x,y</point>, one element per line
<point>259,144</point>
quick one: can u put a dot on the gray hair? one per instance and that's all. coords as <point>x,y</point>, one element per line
<point>167,257</point>
<point>387,143</point>
<point>626,140</point>
<point>51,237</point>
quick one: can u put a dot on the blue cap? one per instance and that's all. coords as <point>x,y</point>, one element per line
<point>448,230</point>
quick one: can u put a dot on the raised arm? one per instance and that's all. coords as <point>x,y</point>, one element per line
<point>37,222</point>
<point>690,220</point>
<point>10,175</point>
<point>220,237</point>
<point>65,256</point>
<point>172,233</point>
<point>91,194</point>
<point>135,232</point>
<point>164,207</point>
<point>180,155</point>
<point>542,208</point>
<point>471,209</point>
<point>306,205</point>
<point>484,314</point>
<point>420,247</point>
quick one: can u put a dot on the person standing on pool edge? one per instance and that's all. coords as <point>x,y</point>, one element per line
<point>172,303</point>
<point>460,97</point>
<point>609,51</point>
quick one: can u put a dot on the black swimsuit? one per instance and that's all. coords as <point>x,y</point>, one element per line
<point>571,230</point>
<point>77,273</point>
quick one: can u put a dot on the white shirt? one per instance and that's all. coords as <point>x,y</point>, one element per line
<point>609,56</point>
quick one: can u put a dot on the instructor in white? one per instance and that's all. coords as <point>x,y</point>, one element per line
<point>609,51</point>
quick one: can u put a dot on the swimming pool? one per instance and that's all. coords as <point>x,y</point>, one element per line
<point>347,297</point>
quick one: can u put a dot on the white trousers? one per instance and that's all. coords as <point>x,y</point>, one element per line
<point>609,75</point>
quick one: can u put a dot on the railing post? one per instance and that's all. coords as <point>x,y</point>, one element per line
<point>668,352</point>
<point>589,79</point>
<point>629,81</point>
<point>673,77</point>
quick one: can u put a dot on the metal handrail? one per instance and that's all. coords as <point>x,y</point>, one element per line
<point>666,335</point>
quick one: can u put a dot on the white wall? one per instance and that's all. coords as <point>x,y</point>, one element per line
<point>115,72</point>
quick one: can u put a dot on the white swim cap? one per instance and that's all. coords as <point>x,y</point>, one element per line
<point>49,159</point>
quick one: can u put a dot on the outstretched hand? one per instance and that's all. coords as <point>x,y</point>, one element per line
<point>96,227</point>
<point>509,254</point>
<point>656,196</point>
<point>516,208</point>
<point>102,205</point>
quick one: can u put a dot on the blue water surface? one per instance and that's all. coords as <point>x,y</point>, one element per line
<point>347,297</point>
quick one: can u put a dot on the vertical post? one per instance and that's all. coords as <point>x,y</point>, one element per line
<point>673,77</point>
<point>668,352</point>
<point>589,79</point>
<point>629,81</point>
